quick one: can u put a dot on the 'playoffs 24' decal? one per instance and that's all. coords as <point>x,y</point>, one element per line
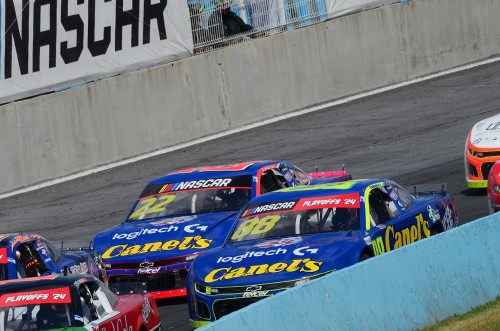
<point>57,295</point>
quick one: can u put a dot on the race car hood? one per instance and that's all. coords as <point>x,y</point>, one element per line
<point>163,238</point>
<point>486,133</point>
<point>276,260</point>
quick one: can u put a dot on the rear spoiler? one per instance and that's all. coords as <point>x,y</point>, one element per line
<point>89,248</point>
<point>426,189</point>
<point>95,255</point>
<point>328,174</point>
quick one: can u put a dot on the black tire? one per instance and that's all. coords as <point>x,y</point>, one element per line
<point>364,257</point>
<point>436,230</point>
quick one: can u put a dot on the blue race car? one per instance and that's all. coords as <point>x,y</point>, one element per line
<point>180,215</point>
<point>288,237</point>
<point>30,255</point>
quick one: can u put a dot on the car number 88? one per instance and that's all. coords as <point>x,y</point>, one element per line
<point>255,225</point>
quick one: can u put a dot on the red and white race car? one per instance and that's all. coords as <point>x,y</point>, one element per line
<point>493,188</point>
<point>78,302</point>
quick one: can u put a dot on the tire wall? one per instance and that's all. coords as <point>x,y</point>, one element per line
<point>449,274</point>
<point>114,119</point>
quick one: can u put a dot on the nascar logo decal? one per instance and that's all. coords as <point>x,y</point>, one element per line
<point>3,255</point>
<point>286,205</point>
<point>243,181</point>
<point>194,184</point>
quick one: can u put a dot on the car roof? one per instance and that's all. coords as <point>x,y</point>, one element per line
<point>43,282</point>
<point>202,172</point>
<point>352,186</point>
<point>10,238</point>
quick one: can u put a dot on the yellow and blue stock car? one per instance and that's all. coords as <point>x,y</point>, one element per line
<point>288,237</point>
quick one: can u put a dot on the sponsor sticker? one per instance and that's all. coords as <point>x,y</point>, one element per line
<point>146,309</point>
<point>350,200</point>
<point>279,242</point>
<point>202,183</point>
<point>305,265</point>
<point>191,228</point>
<point>235,182</point>
<point>128,249</point>
<point>334,201</point>
<point>249,254</point>
<point>175,220</point>
<point>270,207</point>
<point>57,295</point>
<point>434,215</point>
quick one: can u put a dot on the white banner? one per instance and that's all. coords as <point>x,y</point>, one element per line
<point>338,8</point>
<point>47,45</point>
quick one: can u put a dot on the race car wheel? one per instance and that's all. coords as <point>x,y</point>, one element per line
<point>436,230</point>
<point>364,256</point>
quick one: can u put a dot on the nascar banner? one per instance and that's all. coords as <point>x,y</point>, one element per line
<point>337,8</point>
<point>47,45</point>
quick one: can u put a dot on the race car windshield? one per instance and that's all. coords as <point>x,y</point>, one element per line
<point>189,202</point>
<point>35,317</point>
<point>295,222</point>
<point>44,309</point>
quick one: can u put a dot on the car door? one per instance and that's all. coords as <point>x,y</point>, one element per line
<point>395,219</point>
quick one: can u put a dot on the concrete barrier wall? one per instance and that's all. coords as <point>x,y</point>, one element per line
<point>114,119</point>
<point>406,289</point>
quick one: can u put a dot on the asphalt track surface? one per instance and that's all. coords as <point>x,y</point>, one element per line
<point>413,135</point>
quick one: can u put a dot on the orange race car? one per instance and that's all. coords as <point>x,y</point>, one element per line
<point>482,149</point>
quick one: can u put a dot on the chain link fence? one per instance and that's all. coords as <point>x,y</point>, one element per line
<point>214,25</point>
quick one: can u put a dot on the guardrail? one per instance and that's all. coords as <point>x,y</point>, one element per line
<point>406,289</point>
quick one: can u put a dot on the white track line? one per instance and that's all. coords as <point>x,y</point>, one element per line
<point>243,128</point>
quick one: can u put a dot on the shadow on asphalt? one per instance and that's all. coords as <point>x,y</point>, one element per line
<point>474,192</point>
<point>171,301</point>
